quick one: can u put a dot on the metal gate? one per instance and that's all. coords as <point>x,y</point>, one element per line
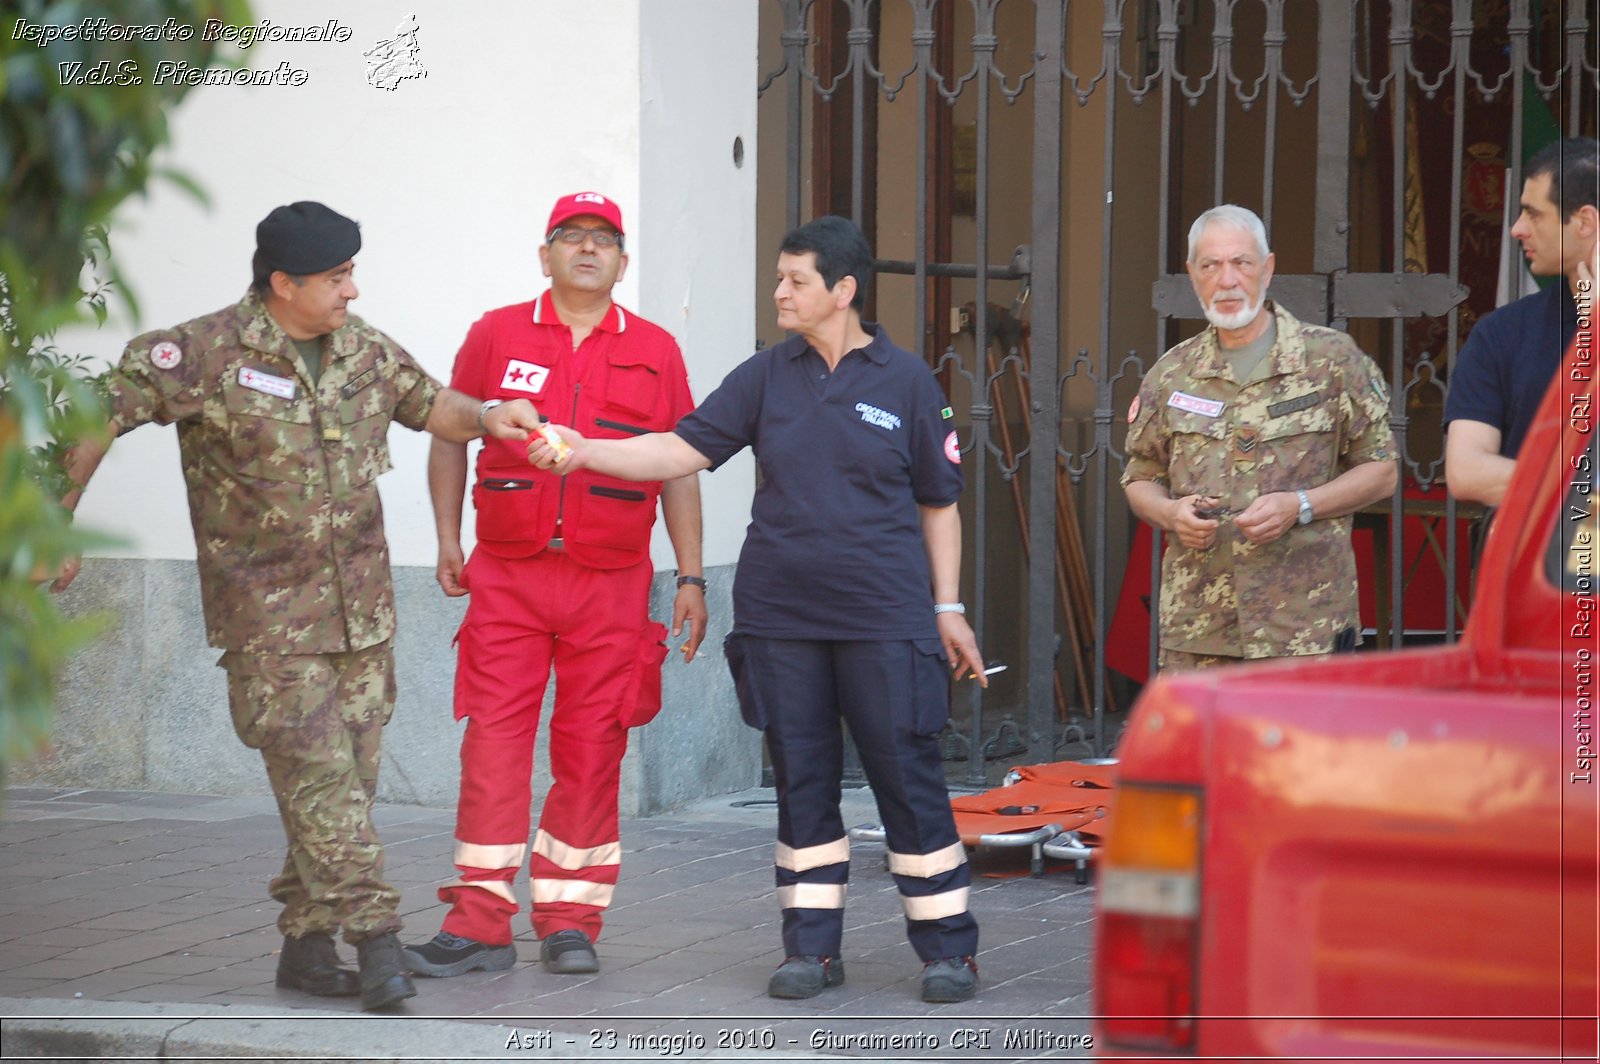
<point>1027,171</point>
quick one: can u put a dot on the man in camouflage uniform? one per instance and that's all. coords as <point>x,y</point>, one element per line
<point>1251,444</point>
<point>283,404</point>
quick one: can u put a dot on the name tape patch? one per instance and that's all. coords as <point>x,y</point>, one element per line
<point>1194,404</point>
<point>359,383</point>
<point>255,379</point>
<point>1299,402</point>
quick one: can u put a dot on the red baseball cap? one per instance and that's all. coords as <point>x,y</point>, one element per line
<point>580,203</point>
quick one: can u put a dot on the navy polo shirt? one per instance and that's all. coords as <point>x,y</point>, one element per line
<point>834,549</point>
<point>1507,363</point>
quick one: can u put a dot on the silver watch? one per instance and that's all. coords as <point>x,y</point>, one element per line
<point>1305,508</point>
<point>488,405</point>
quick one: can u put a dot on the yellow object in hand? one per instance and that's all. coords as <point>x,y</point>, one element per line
<point>557,444</point>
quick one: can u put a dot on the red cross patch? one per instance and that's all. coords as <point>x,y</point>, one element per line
<point>952,448</point>
<point>524,377</point>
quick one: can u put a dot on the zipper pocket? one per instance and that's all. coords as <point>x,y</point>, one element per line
<point>625,494</point>
<point>607,423</point>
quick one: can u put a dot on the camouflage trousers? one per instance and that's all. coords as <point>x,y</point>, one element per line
<point>318,720</point>
<point>1183,661</point>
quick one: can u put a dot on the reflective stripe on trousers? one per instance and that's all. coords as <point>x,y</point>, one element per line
<point>894,697</point>
<point>585,624</point>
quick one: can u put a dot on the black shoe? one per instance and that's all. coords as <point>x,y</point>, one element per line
<point>803,977</point>
<point>384,981</point>
<point>949,979</point>
<point>311,964</point>
<point>446,955</point>
<point>569,952</point>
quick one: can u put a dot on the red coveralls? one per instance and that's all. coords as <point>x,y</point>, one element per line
<point>561,575</point>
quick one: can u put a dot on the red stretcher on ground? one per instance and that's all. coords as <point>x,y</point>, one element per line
<point>1060,809</point>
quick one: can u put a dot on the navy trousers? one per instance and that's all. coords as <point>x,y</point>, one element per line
<point>895,698</point>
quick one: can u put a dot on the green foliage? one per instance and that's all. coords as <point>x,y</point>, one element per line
<point>69,155</point>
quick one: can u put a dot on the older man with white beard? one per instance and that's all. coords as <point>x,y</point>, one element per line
<point>1250,445</point>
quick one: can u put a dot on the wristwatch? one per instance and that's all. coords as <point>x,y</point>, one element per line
<point>1305,508</point>
<point>692,581</point>
<point>488,405</point>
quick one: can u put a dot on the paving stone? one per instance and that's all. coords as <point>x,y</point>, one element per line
<point>158,902</point>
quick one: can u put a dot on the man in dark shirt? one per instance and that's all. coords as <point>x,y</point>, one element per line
<point>1508,360</point>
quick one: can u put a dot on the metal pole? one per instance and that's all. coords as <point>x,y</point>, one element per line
<point>1046,182</point>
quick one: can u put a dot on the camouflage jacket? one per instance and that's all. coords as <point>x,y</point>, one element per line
<point>281,473</point>
<point>1320,408</point>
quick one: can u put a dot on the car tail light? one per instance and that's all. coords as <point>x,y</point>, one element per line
<point>1149,916</point>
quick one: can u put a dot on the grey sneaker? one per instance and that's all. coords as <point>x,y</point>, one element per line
<point>569,952</point>
<point>949,979</point>
<point>803,977</point>
<point>446,955</point>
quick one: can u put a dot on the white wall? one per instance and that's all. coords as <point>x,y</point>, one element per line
<point>452,177</point>
<point>697,96</point>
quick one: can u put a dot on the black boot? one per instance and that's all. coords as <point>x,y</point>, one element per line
<point>383,972</point>
<point>311,964</point>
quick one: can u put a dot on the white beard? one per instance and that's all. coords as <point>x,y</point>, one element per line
<point>1238,319</point>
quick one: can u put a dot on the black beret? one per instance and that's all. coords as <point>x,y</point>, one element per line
<point>306,237</point>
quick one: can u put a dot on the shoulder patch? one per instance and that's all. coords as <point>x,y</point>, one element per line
<point>166,355</point>
<point>1133,409</point>
<point>952,448</point>
<point>947,413</point>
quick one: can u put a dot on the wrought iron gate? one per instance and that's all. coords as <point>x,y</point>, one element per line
<point>1028,170</point>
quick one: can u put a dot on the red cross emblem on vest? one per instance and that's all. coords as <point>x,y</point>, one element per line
<point>524,377</point>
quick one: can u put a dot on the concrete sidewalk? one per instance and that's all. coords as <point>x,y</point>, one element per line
<point>136,924</point>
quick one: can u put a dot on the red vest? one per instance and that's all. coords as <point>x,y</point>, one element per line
<point>627,379</point>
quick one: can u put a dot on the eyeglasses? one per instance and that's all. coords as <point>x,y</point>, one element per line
<point>575,235</point>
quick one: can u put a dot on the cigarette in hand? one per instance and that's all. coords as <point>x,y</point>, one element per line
<point>990,671</point>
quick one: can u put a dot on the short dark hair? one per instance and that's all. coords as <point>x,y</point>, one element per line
<point>261,275</point>
<point>1573,166</point>
<point>841,249</point>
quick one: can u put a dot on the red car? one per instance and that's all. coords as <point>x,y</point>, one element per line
<point>1380,856</point>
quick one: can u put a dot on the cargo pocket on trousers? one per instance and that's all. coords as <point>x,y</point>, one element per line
<point>930,680</point>
<point>245,706</point>
<point>644,689</point>
<point>744,687</point>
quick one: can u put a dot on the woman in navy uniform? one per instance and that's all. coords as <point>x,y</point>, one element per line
<point>846,600</point>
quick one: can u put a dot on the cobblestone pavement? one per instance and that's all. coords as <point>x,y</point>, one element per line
<point>133,907</point>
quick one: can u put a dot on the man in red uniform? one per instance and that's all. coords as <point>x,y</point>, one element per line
<point>561,576</point>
